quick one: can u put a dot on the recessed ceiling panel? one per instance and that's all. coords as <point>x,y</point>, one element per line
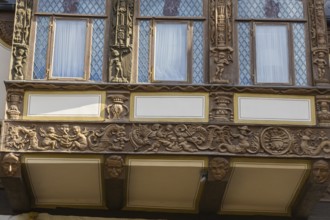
<point>164,184</point>
<point>64,181</point>
<point>263,187</point>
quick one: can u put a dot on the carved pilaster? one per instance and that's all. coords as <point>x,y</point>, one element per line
<point>21,38</point>
<point>221,108</point>
<point>220,39</point>
<point>319,42</point>
<point>14,104</point>
<point>323,110</point>
<point>118,107</point>
<point>120,62</point>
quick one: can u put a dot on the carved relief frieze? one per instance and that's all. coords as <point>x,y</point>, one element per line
<point>10,164</point>
<point>21,38</point>
<point>221,49</point>
<point>166,138</point>
<point>121,44</point>
<point>118,107</point>
<point>221,108</point>
<point>323,110</point>
<point>319,41</point>
<point>14,103</point>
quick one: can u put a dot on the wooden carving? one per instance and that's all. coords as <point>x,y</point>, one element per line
<point>118,108</point>
<point>323,109</point>
<point>14,100</point>
<point>122,39</point>
<point>21,38</point>
<point>220,39</point>
<point>10,164</point>
<point>221,108</point>
<point>320,171</point>
<point>114,166</point>
<point>319,42</point>
<point>218,168</point>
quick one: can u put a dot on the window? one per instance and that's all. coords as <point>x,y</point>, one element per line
<point>171,41</point>
<point>276,51</point>
<point>70,39</point>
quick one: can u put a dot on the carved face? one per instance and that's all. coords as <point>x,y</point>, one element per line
<point>10,164</point>
<point>219,168</point>
<point>76,129</point>
<point>114,166</point>
<point>321,171</point>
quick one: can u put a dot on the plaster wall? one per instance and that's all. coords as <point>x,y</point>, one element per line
<point>4,75</point>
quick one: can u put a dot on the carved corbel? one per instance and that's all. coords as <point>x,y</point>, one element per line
<point>10,165</point>
<point>114,167</point>
<point>118,108</point>
<point>220,40</point>
<point>21,38</point>
<point>218,169</point>
<point>120,61</point>
<point>320,51</point>
<point>323,110</point>
<point>14,103</point>
<point>221,108</point>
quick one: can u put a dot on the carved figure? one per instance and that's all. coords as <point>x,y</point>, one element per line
<point>311,146</point>
<point>218,167</point>
<point>117,109</point>
<point>323,112</point>
<point>221,61</point>
<point>114,166</point>
<point>20,22</point>
<point>320,171</point>
<point>21,138</point>
<point>19,61</point>
<point>10,164</point>
<point>50,138</point>
<point>79,140</point>
<point>222,57</point>
<point>117,64</point>
<point>13,112</point>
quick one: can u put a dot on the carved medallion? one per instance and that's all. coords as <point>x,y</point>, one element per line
<point>276,141</point>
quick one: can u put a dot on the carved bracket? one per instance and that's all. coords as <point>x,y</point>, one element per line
<point>319,42</point>
<point>14,103</point>
<point>121,44</point>
<point>118,107</point>
<point>220,39</point>
<point>221,108</point>
<point>323,109</point>
<point>10,165</point>
<point>114,167</point>
<point>218,169</point>
<point>21,38</point>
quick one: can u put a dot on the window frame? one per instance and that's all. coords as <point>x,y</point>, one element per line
<point>273,21</point>
<point>190,37</point>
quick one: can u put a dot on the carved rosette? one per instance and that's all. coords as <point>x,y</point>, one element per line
<point>121,44</point>
<point>21,38</point>
<point>14,104</point>
<point>323,109</point>
<point>220,39</point>
<point>319,42</point>
<point>221,108</point>
<point>118,108</point>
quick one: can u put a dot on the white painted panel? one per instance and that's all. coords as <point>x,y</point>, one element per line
<point>4,74</point>
<point>79,105</point>
<point>275,109</point>
<point>169,107</point>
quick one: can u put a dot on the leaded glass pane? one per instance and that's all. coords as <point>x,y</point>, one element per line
<point>40,52</point>
<point>97,49</point>
<point>289,9</point>
<point>188,8</point>
<point>96,7</point>
<point>299,49</point>
<point>143,58</point>
<point>198,53</point>
<point>244,53</point>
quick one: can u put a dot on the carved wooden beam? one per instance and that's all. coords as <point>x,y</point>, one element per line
<point>120,64</point>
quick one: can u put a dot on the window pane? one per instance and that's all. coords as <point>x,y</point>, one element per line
<point>97,49</point>
<point>171,52</point>
<point>291,9</point>
<point>40,52</point>
<point>198,53</point>
<point>272,55</point>
<point>187,8</point>
<point>299,49</point>
<point>96,7</point>
<point>244,53</point>
<point>69,48</point>
<point>143,59</point>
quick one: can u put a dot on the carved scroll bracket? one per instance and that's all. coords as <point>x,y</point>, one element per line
<point>118,107</point>
<point>220,39</point>
<point>221,108</point>
<point>120,61</point>
<point>14,104</point>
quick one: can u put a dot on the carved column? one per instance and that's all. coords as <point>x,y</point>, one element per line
<point>221,108</point>
<point>14,104</point>
<point>221,50</point>
<point>323,110</point>
<point>120,61</point>
<point>21,38</point>
<point>320,51</point>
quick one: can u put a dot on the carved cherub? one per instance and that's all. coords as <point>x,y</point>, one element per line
<point>20,56</point>
<point>116,62</point>
<point>79,140</point>
<point>50,138</point>
<point>321,64</point>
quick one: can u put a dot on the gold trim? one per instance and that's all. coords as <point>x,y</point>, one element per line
<point>63,156</point>
<point>276,122</point>
<point>199,191</point>
<point>169,119</point>
<point>68,118</point>
<point>255,161</point>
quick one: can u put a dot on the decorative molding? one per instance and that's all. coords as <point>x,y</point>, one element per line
<point>10,164</point>
<point>323,110</point>
<point>320,51</point>
<point>21,38</point>
<point>220,39</point>
<point>121,45</point>
<point>166,138</point>
<point>14,103</point>
<point>118,107</point>
<point>221,108</point>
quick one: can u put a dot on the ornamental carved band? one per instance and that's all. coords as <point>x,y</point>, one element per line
<point>21,37</point>
<point>121,44</point>
<point>220,13</point>
<point>166,138</point>
<point>319,41</point>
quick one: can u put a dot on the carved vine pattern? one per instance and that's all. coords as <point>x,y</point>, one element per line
<point>168,138</point>
<point>121,45</point>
